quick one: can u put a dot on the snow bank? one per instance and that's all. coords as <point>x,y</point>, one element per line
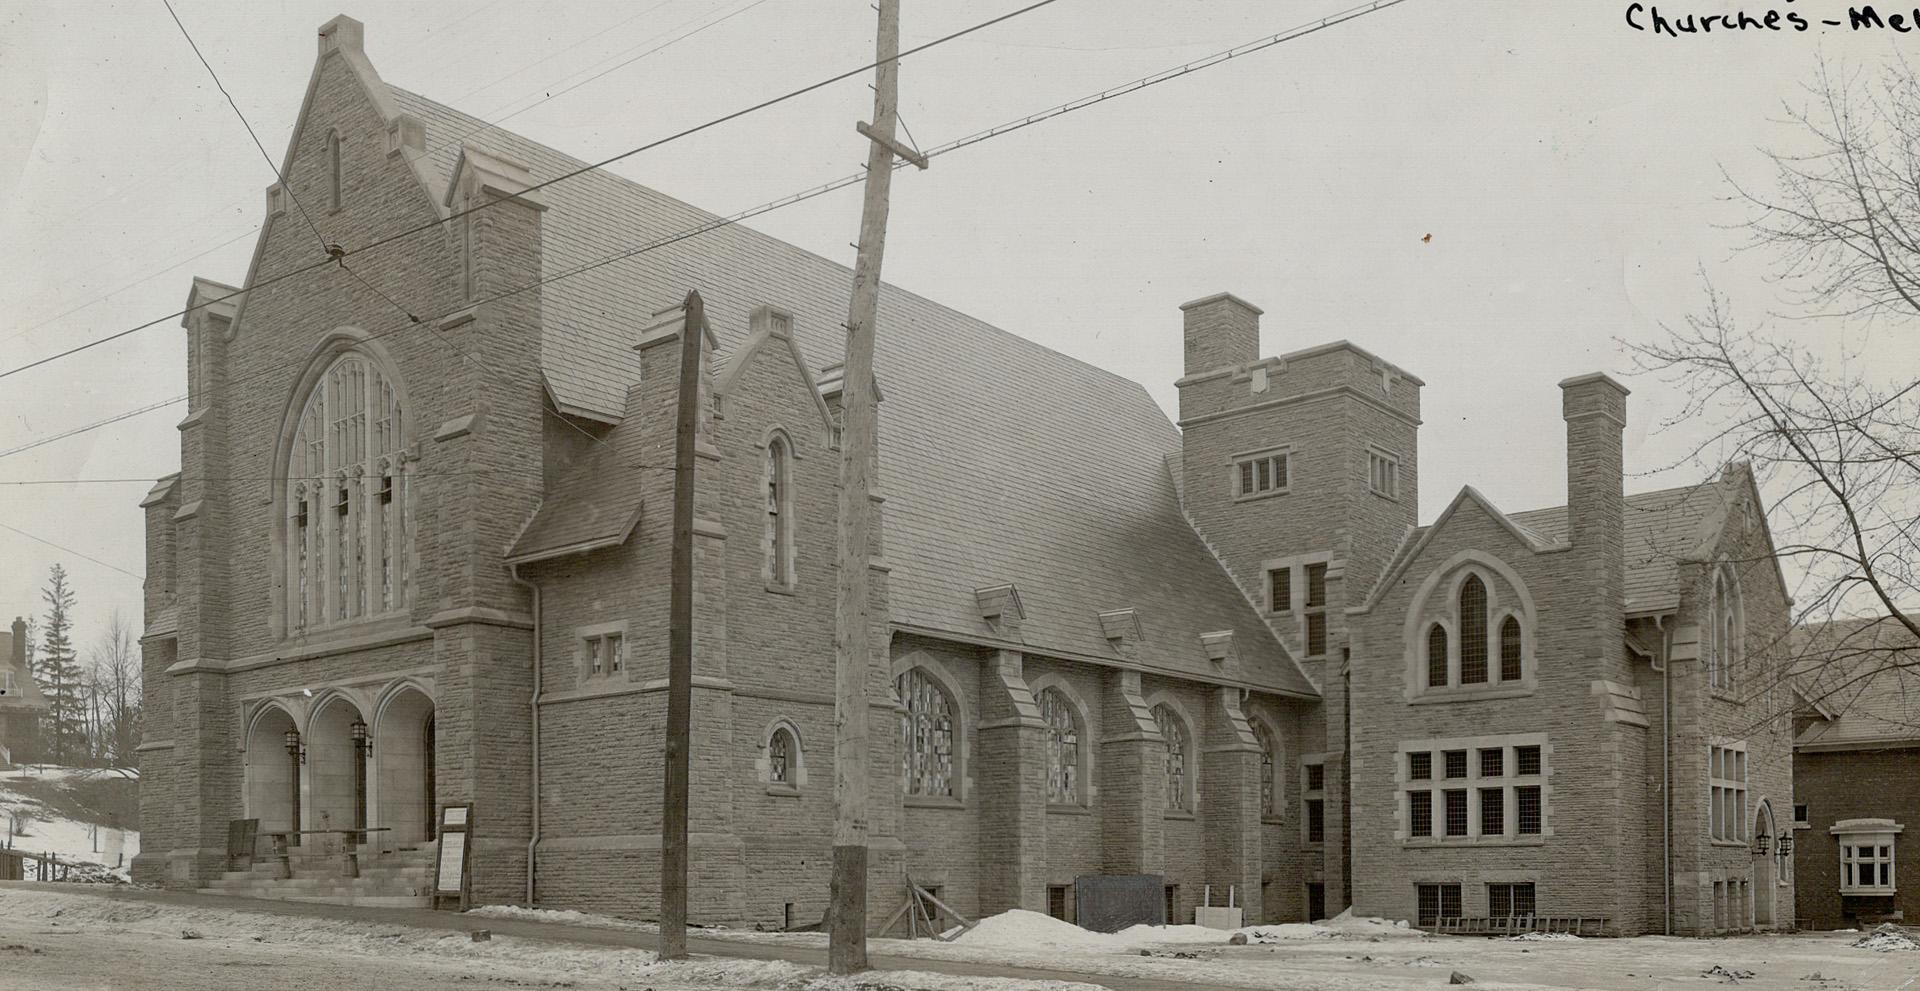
<point>914,980</point>
<point>43,830</point>
<point>1543,938</point>
<point>565,917</point>
<point>1022,930</point>
<point>1886,938</point>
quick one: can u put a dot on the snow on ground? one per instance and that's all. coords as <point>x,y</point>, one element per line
<point>501,959</point>
<point>1888,937</point>
<point>1350,954</point>
<point>43,829</point>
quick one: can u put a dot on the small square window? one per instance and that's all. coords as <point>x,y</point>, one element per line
<point>1420,813</point>
<point>1383,474</point>
<point>1526,760</point>
<point>1420,766</point>
<point>1800,812</point>
<point>1316,777</point>
<point>1280,590</point>
<point>1493,811</point>
<point>1456,763</point>
<point>1527,802</point>
<point>594,657</point>
<point>1316,820</point>
<point>1265,474</point>
<point>1456,813</point>
<point>1491,762</point>
<point>616,652</point>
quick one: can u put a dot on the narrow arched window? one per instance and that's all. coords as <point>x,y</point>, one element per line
<point>1063,748</point>
<point>1473,631</point>
<point>1510,667</point>
<point>333,170</point>
<point>1437,656</point>
<point>926,736</point>
<point>779,530</point>
<point>781,749</point>
<point>1269,766</point>
<point>1175,733</point>
<point>347,538</point>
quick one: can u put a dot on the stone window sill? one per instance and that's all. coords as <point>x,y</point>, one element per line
<point>783,791</point>
<point>1435,696</point>
<point>1267,820</point>
<point>1415,842</point>
<point>1179,816</point>
<point>779,589</point>
<point>932,802</point>
<point>1728,843</point>
<point>1726,695</point>
<point>1847,892</point>
<point>1069,810</point>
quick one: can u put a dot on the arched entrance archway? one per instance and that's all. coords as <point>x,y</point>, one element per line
<point>332,784</point>
<point>403,758</point>
<point>1765,866</point>
<point>271,775</point>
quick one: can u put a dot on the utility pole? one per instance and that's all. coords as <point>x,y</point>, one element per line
<point>673,821</point>
<point>853,628</point>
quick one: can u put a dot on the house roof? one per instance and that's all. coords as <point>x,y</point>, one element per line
<point>1862,676</point>
<point>25,693</point>
<point>1002,461</point>
<point>1663,528</point>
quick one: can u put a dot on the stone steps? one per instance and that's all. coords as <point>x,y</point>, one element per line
<point>393,878</point>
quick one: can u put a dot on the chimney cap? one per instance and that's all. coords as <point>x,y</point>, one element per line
<point>1592,378</point>
<point>1219,297</point>
<point>343,32</point>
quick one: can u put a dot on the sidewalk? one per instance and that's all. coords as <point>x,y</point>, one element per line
<point>421,918</point>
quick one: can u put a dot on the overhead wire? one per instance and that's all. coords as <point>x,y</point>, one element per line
<point>563,177</point>
<point>716,223</point>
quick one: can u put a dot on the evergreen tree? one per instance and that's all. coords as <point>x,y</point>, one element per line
<point>57,669</point>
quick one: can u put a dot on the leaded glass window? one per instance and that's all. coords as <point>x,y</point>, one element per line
<point>1269,765</point>
<point>780,750</point>
<point>347,540</point>
<point>1473,631</point>
<point>1063,748</point>
<point>1175,733</point>
<point>926,736</point>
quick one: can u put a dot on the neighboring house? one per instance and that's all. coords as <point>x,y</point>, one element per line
<point>1856,773</point>
<point>1219,651</point>
<point>21,704</point>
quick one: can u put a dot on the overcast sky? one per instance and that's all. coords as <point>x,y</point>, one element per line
<point>1567,167</point>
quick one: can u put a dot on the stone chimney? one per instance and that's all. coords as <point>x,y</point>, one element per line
<point>1222,330</point>
<point>19,658</point>
<point>1595,408</point>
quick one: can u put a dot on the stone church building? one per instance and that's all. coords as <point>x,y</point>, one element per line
<point>417,554</point>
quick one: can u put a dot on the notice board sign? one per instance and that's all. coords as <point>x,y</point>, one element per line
<point>453,868</point>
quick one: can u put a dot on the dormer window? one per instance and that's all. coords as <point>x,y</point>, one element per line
<point>1261,473</point>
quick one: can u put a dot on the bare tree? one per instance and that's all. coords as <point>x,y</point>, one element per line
<point>113,683</point>
<point>1833,435</point>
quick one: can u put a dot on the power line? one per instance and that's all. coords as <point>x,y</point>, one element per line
<point>257,227</point>
<point>717,223</point>
<point>409,232</point>
<point>69,550</point>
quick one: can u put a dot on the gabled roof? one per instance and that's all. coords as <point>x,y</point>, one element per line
<point>1663,529</point>
<point>1863,677</point>
<point>1416,540</point>
<point>1002,461</point>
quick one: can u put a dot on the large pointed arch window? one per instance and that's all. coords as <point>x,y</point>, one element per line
<point>1174,731</point>
<point>348,541</point>
<point>927,739</point>
<point>1473,631</point>
<point>1728,631</point>
<point>1063,747</point>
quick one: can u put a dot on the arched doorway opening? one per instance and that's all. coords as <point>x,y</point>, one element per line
<point>271,773</point>
<point>1764,865</point>
<point>403,757</point>
<point>334,783</point>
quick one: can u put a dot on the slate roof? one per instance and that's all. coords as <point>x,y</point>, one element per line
<point>1002,461</point>
<point>1864,673</point>
<point>1662,528</point>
